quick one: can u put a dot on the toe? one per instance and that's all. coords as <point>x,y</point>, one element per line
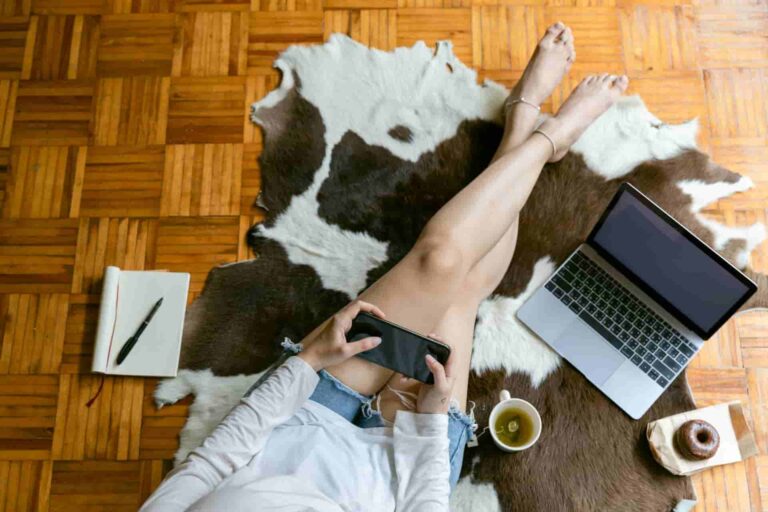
<point>622,82</point>
<point>566,36</point>
<point>553,32</point>
<point>571,51</point>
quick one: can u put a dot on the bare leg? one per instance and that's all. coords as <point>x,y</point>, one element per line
<point>421,288</point>
<point>457,326</point>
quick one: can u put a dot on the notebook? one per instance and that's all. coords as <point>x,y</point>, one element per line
<point>126,298</point>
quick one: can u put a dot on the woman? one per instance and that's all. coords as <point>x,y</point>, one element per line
<point>312,436</point>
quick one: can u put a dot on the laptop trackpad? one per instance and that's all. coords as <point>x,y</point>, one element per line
<point>588,352</point>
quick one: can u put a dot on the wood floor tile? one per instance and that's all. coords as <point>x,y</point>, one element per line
<point>762,472</point>
<point>733,36</point>
<point>757,381</point>
<point>213,44</point>
<point>95,486</point>
<point>143,6</point>
<point>598,34</point>
<point>151,473</point>
<point>244,250</point>
<point>69,6</point>
<point>202,179</point>
<point>505,37</point>
<point>720,351</point>
<point>723,488</point>
<point>13,41</point>
<point>122,242</point>
<point>206,110</point>
<point>256,87</point>
<point>716,385</point>
<point>31,341</point>
<point>211,5</point>
<point>80,333</point>
<point>160,427</point>
<point>269,33</point>
<point>195,244</point>
<point>28,407</point>
<point>432,25</point>
<point>452,4</point>
<point>658,39</point>
<point>737,101</point>
<point>13,8</point>
<point>109,429</point>
<point>251,181</point>
<point>673,105</point>
<point>24,485</point>
<point>53,113</point>
<point>124,37</point>
<point>376,28</point>
<point>122,181</point>
<point>131,111</point>
<point>5,171</point>
<point>62,47</point>
<point>37,255</point>
<point>286,5</point>
<point>359,4</point>
<point>41,182</point>
<point>755,353</point>
<point>8,91</point>
<point>748,156</point>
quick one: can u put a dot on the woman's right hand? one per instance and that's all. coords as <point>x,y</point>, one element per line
<point>330,347</point>
<point>436,398</point>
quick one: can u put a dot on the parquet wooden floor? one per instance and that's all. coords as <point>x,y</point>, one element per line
<point>124,139</point>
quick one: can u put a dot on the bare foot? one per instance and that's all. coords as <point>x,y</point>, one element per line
<point>552,59</point>
<point>593,96</point>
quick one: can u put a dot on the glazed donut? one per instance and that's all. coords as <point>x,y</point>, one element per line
<point>697,440</point>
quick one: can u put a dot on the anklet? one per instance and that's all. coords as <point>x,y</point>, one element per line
<point>511,101</point>
<point>551,141</point>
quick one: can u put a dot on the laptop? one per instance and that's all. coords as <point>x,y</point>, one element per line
<point>634,304</point>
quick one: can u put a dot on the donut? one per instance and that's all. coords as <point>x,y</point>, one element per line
<point>697,440</point>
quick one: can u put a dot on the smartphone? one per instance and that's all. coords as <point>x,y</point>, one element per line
<point>400,349</point>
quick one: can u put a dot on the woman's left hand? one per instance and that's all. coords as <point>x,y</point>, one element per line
<point>330,347</point>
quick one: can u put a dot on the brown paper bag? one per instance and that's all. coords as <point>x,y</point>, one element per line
<point>736,440</point>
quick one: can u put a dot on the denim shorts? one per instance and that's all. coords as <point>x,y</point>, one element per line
<point>356,408</point>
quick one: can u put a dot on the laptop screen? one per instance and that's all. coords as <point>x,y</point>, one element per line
<point>670,264</point>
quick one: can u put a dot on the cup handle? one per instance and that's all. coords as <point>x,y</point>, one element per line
<point>504,395</point>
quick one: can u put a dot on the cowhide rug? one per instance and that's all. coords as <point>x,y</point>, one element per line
<point>361,147</point>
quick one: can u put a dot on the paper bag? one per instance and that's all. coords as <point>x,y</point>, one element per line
<point>736,440</point>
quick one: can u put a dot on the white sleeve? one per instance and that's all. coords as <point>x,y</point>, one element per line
<point>421,462</point>
<point>237,439</point>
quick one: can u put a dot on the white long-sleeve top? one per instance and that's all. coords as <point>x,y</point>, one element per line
<point>277,450</point>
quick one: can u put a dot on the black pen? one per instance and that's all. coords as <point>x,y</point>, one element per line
<point>133,339</point>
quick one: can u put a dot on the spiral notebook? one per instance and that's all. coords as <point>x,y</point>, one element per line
<point>126,299</point>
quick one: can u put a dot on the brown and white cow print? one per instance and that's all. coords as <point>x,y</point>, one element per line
<point>361,147</point>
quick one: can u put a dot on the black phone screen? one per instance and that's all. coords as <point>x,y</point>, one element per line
<point>400,349</point>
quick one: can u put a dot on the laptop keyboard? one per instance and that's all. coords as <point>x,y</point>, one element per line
<point>641,335</point>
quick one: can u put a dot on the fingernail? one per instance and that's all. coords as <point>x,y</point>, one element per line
<point>376,341</point>
<point>431,359</point>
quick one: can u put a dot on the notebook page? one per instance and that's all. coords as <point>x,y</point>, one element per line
<point>157,351</point>
<point>107,316</point>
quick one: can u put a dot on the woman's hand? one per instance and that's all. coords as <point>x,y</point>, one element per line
<point>329,347</point>
<point>436,398</point>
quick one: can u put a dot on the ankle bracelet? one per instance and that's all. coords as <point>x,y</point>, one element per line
<point>511,101</point>
<point>550,139</point>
